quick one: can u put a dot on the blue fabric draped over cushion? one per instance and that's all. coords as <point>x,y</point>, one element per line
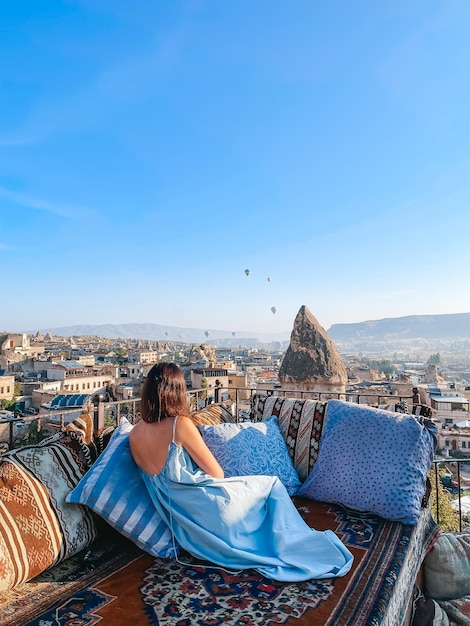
<point>114,489</point>
<point>373,460</point>
<point>247,448</point>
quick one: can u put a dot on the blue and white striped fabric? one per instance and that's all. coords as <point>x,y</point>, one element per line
<point>113,488</point>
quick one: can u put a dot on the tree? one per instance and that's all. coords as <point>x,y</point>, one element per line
<point>435,359</point>
<point>121,355</point>
<point>447,518</point>
<point>204,385</point>
<point>383,367</point>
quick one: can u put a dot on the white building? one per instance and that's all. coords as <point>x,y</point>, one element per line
<point>451,415</point>
<point>78,378</point>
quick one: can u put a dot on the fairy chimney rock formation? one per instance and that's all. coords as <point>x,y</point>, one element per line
<point>312,362</point>
<point>202,352</point>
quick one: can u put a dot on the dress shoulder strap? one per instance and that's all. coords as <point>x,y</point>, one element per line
<point>174,427</point>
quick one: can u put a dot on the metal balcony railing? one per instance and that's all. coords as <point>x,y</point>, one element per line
<point>450,476</point>
<point>450,495</point>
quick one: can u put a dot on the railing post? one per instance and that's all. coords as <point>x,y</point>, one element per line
<point>98,414</point>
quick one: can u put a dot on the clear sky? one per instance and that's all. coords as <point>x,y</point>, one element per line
<point>151,151</point>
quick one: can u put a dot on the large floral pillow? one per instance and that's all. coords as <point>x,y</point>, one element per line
<point>38,528</point>
<point>373,460</point>
<point>114,489</point>
<point>252,449</point>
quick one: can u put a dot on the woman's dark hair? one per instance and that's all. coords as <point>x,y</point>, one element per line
<point>164,393</point>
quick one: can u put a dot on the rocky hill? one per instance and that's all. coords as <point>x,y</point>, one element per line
<point>451,331</point>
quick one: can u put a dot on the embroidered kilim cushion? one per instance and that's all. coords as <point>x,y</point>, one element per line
<point>301,425</point>
<point>212,414</point>
<point>37,527</point>
<point>96,440</point>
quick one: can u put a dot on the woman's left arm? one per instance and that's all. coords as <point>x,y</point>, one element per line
<point>188,436</point>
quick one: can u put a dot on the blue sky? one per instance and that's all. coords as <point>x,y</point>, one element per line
<point>151,151</point>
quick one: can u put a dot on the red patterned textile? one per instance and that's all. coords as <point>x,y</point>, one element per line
<point>126,586</point>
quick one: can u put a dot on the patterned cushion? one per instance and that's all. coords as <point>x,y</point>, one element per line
<point>114,489</point>
<point>422,409</point>
<point>37,527</point>
<point>447,567</point>
<point>301,424</point>
<point>252,449</point>
<point>212,414</point>
<point>83,426</point>
<point>396,407</point>
<point>373,460</point>
<point>96,440</point>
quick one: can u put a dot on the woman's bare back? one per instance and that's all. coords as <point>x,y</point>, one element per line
<point>149,444</point>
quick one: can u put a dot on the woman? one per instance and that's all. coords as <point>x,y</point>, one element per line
<point>238,522</point>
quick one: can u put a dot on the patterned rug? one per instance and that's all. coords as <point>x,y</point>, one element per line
<point>116,584</point>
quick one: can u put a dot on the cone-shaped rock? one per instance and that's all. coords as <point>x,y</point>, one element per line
<point>312,361</point>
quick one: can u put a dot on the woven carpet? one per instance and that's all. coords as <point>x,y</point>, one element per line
<point>115,584</point>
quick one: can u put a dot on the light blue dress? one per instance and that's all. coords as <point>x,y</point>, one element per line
<point>242,522</point>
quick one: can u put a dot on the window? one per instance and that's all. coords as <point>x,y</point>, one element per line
<point>8,389</point>
<point>83,385</point>
<point>464,444</point>
<point>447,443</point>
<point>1,389</point>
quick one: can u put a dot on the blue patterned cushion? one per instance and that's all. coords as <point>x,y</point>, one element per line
<point>252,449</point>
<point>373,460</point>
<point>114,489</point>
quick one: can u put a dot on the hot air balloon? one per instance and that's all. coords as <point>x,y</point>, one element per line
<point>166,333</point>
<point>269,279</point>
<point>207,333</point>
<point>273,309</point>
<point>233,334</point>
<point>247,272</point>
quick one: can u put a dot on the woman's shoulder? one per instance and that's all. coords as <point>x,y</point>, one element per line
<point>185,427</point>
<point>184,418</point>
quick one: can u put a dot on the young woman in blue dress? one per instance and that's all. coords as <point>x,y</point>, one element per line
<point>238,522</point>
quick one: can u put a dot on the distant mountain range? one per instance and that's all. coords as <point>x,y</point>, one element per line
<point>159,332</point>
<point>431,331</point>
<point>413,330</point>
<point>450,326</point>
